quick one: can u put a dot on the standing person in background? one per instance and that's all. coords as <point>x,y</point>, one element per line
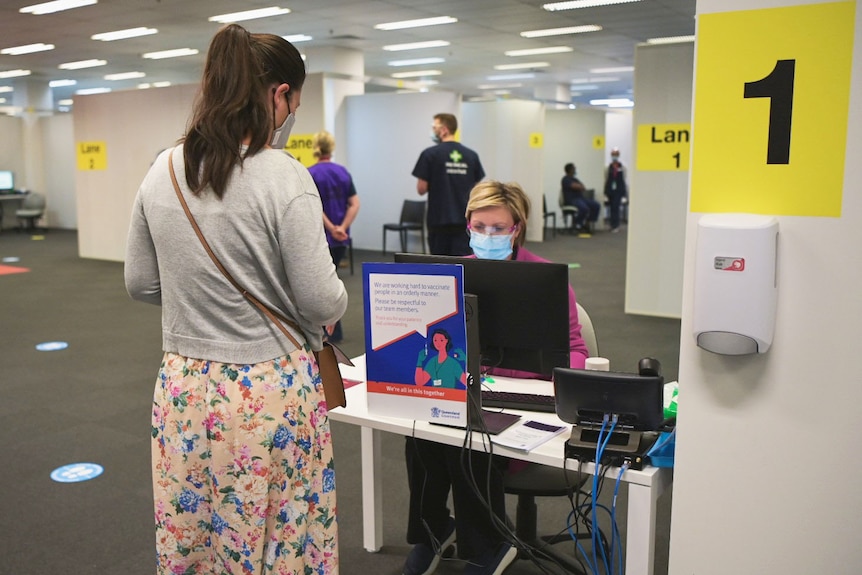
<point>616,188</point>
<point>447,172</point>
<point>243,473</point>
<point>340,205</point>
<point>574,194</point>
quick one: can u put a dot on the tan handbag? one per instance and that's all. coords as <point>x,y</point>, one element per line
<point>327,359</point>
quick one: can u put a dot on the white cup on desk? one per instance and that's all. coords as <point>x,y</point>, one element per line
<point>598,364</point>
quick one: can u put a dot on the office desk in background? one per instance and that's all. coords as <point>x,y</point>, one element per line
<point>9,203</point>
<point>644,486</point>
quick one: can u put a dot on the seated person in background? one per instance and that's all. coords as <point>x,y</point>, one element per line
<point>497,217</point>
<point>573,195</point>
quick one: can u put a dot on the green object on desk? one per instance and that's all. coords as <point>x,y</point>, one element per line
<point>574,266</point>
<point>487,379</point>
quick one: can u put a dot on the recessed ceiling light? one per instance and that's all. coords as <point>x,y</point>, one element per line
<point>66,102</point>
<point>416,74</point>
<point>671,40</point>
<point>416,45</point>
<point>56,6</point>
<point>560,31</point>
<point>124,76</point>
<point>164,84</point>
<point>583,87</point>
<point>124,34</point>
<point>14,73</point>
<point>595,80</point>
<point>249,15</point>
<point>537,51</point>
<point>575,4</point>
<point>26,49</point>
<point>82,64</point>
<point>61,83</point>
<point>497,77</point>
<point>415,23</point>
<point>497,86</point>
<point>171,53</point>
<point>416,62</point>
<point>88,91</point>
<point>294,38</point>
<point>613,102</point>
<point>4,89</point>
<point>522,66</point>
<point>616,70</point>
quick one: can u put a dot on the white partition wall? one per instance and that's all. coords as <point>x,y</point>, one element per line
<point>656,231</point>
<point>501,132</point>
<point>570,137</point>
<point>385,134</point>
<point>766,478</point>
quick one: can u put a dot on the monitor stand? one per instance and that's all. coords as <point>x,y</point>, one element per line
<point>490,421</point>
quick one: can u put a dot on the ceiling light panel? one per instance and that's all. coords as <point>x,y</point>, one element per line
<point>416,45</point>
<point>539,51</point>
<point>61,83</point>
<point>416,62</point>
<point>124,34</point>
<point>82,64</point>
<point>27,49</point>
<point>170,53</point>
<point>57,6</point>
<point>671,40</point>
<point>88,91</point>
<point>616,70</point>
<point>503,77</point>
<point>416,74</point>
<point>522,66</point>
<point>124,76</point>
<point>249,15</point>
<point>575,4</point>
<point>14,73</point>
<point>294,38</point>
<point>560,31</point>
<point>416,23</point>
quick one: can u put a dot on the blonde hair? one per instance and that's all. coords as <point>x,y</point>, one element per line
<point>323,143</point>
<point>491,194</point>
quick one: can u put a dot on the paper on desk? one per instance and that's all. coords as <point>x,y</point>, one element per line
<point>528,435</point>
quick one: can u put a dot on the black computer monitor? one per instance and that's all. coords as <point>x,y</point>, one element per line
<point>523,310</point>
<point>584,396</point>
<point>7,181</point>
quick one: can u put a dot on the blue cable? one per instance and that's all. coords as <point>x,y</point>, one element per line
<point>614,518</point>
<point>593,515</point>
<point>574,537</point>
<point>599,455</point>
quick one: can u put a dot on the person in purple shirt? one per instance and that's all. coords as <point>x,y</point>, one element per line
<point>340,204</point>
<point>497,215</point>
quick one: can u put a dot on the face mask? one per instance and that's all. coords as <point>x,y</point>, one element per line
<point>281,134</point>
<point>434,137</point>
<point>615,159</point>
<point>487,247</point>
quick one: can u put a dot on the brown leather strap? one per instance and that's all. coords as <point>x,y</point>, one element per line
<point>278,319</point>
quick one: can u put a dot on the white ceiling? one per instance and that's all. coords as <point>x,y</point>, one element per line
<point>485,29</point>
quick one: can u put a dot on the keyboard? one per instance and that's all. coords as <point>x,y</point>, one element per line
<point>518,400</point>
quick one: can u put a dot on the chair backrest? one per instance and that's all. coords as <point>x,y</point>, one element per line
<point>588,332</point>
<point>413,212</point>
<point>33,201</point>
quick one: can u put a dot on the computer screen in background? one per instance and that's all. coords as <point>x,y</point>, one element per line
<point>7,181</point>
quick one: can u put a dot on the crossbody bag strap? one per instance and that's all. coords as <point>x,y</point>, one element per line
<point>277,319</point>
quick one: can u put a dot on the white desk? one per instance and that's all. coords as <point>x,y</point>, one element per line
<point>645,486</point>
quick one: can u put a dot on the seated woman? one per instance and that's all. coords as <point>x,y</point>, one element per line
<point>497,215</point>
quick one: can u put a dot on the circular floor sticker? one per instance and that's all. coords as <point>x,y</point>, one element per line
<point>52,345</point>
<point>75,472</point>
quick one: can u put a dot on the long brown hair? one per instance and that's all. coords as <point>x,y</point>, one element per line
<point>234,102</point>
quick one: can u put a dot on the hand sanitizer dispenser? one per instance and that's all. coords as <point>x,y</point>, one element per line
<point>735,283</point>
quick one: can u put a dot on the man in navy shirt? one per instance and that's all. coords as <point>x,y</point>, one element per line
<point>447,172</point>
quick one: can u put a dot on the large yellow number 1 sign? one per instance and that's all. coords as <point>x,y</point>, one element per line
<point>770,113</point>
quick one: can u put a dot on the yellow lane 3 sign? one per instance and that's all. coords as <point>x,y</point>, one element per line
<point>664,147</point>
<point>772,94</point>
<point>92,156</point>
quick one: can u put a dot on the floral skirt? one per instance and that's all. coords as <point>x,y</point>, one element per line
<point>243,474</point>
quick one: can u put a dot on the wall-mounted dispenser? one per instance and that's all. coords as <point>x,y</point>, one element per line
<point>735,283</point>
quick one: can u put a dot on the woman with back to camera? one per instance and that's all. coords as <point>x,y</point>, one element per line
<point>340,205</point>
<point>242,455</point>
<point>497,215</point>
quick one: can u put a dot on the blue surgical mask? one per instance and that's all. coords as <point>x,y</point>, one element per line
<point>488,247</point>
<point>435,138</point>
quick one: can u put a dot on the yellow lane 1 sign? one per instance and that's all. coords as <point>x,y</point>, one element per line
<point>663,147</point>
<point>92,156</point>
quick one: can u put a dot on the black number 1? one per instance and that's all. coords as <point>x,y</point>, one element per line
<point>778,87</point>
<point>676,157</point>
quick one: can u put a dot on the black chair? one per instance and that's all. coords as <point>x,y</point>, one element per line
<point>570,213</point>
<point>548,215</point>
<point>412,220</point>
